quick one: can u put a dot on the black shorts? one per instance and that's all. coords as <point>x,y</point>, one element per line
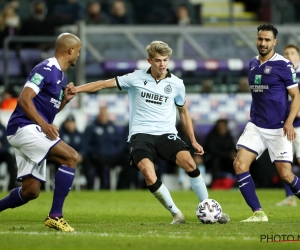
<point>164,146</point>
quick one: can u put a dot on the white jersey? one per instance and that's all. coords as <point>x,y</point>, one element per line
<point>152,103</point>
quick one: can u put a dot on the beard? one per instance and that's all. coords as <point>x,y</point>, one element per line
<point>264,53</point>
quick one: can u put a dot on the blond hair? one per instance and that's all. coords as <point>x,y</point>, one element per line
<point>158,47</point>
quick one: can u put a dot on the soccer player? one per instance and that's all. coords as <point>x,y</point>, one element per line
<point>271,78</point>
<point>291,52</point>
<point>154,95</point>
<point>34,138</point>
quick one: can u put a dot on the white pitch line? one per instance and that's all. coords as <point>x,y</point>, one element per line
<point>154,235</point>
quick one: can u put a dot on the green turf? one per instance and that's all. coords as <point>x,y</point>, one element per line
<point>135,220</point>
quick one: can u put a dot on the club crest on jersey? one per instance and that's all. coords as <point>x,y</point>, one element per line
<point>145,82</point>
<point>267,70</point>
<point>168,89</point>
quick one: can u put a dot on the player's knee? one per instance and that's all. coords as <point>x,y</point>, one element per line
<point>185,161</point>
<point>286,176</point>
<point>30,193</point>
<point>148,171</point>
<point>239,166</point>
<point>189,165</point>
<point>72,158</point>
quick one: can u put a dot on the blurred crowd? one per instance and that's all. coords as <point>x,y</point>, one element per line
<point>42,17</point>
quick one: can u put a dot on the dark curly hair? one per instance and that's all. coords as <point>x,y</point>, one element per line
<point>268,27</point>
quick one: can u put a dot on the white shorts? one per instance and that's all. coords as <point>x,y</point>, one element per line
<point>31,147</point>
<point>257,140</point>
<point>296,143</point>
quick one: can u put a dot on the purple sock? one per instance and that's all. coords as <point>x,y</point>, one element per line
<point>14,199</point>
<point>62,184</point>
<point>288,191</point>
<point>295,186</point>
<point>247,188</point>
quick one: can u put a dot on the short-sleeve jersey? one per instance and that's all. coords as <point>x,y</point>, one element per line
<point>269,82</point>
<point>49,82</point>
<point>152,103</point>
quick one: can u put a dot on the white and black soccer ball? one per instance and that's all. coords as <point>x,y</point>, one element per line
<point>209,211</point>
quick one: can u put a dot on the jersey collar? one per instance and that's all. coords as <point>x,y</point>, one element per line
<point>168,74</point>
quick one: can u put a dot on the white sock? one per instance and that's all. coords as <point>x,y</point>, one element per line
<point>199,187</point>
<point>164,197</point>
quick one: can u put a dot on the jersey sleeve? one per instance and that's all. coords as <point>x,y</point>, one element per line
<point>289,76</point>
<point>37,78</point>
<point>180,97</point>
<point>125,81</point>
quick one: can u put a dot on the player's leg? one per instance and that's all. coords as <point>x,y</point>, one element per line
<point>31,162</point>
<point>142,156</point>
<point>284,170</point>
<point>246,184</point>
<point>156,187</point>
<point>29,172</point>
<point>19,196</point>
<point>185,161</point>
<point>241,166</point>
<point>289,197</point>
<point>281,153</point>
<point>250,146</point>
<point>67,158</point>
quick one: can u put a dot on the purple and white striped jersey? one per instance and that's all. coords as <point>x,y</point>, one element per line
<point>269,82</point>
<point>49,82</point>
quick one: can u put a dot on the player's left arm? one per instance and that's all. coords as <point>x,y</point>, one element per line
<point>188,125</point>
<point>294,109</point>
<point>69,93</point>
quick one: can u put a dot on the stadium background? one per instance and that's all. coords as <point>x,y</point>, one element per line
<point>211,52</point>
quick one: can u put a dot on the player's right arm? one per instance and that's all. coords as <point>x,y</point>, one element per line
<point>26,103</point>
<point>96,86</point>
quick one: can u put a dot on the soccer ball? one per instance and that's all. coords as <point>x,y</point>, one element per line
<point>209,211</point>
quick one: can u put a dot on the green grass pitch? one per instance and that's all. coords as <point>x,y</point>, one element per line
<point>136,220</point>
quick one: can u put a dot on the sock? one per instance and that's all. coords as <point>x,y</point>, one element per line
<point>288,191</point>
<point>62,184</point>
<point>14,199</point>
<point>198,184</point>
<point>295,186</point>
<point>247,188</point>
<point>160,191</point>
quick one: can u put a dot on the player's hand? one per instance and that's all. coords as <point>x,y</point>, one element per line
<point>198,148</point>
<point>289,132</point>
<point>69,92</point>
<point>51,131</point>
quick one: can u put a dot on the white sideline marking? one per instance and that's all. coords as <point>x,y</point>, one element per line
<point>154,235</point>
